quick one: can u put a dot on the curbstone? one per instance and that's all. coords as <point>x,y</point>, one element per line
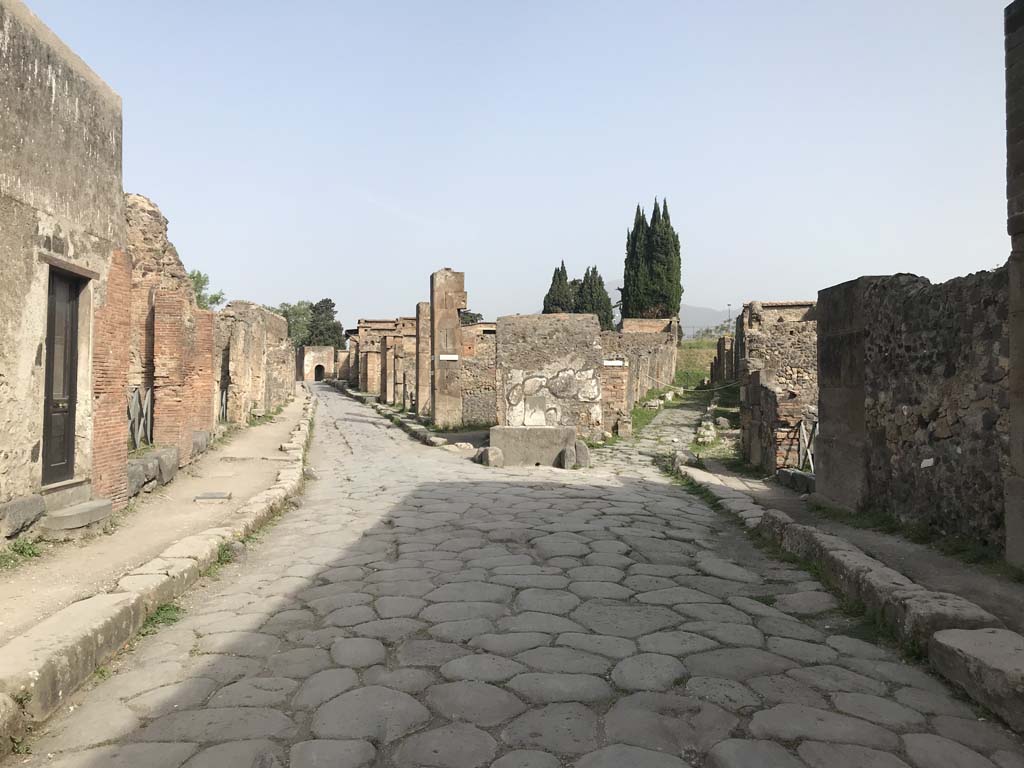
<point>988,664</point>
<point>965,643</point>
<point>52,659</point>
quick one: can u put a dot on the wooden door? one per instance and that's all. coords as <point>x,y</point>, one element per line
<point>61,378</point>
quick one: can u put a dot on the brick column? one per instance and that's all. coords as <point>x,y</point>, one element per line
<point>447,297</point>
<point>1014,484</point>
<point>202,384</point>
<point>171,407</point>
<point>423,367</point>
<point>111,323</point>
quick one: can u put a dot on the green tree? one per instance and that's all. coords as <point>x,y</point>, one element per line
<point>559,296</point>
<point>324,328</point>
<point>201,287</point>
<point>470,318</point>
<point>298,316</point>
<point>592,298</point>
<point>652,277</point>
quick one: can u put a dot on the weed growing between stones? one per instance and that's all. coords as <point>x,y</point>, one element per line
<point>225,555</point>
<point>266,417</point>
<point>168,613</point>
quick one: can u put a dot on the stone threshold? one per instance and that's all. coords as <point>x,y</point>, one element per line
<point>46,664</point>
<point>962,642</point>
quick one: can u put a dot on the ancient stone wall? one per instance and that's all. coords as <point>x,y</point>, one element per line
<point>723,369</point>
<point>369,334</point>
<point>313,357</point>
<point>649,362</point>
<point>447,299</point>
<point>183,385</point>
<point>1014,482</point>
<point>776,345</point>
<point>61,208</point>
<point>915,415</point>
<point>479,378</point>
<point>255,361</point>
<point>548,371</point>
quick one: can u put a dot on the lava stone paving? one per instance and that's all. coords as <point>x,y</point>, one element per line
<point>419,610</point>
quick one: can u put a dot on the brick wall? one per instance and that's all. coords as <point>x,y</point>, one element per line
<point>111,322</point>
<point>183,382</point>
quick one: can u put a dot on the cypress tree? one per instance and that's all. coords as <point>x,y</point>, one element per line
<point>324,328</point>
<point>559,295</point>
<point>634,276</point>
<point>593,298</point>
<point>653,269</point>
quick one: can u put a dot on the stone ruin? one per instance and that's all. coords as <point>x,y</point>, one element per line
<point>776,365</point>
<point>314,363</point>
<point>723,367</point>
<point>255,359</point>
<point>548,372</point>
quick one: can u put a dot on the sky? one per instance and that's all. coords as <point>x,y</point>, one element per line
<point>348,149</point>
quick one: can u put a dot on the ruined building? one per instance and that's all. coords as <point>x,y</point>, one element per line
<point>776,364</point>
<point>314,363</point>
<point>1013,493</point>
<point>64,299</point>
<point>255,362</point>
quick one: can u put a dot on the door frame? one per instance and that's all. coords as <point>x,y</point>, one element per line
<point>66,472</point>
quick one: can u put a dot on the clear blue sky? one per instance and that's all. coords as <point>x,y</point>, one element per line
<point>348,149</point>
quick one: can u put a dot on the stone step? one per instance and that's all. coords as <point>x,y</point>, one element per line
<point>62,495</point>
<point>77,516</point>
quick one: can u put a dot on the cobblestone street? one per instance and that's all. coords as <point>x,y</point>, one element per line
<point>417,609</point>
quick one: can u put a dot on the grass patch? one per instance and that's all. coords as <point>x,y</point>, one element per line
<point>164,615</point>
<point>17,552</point>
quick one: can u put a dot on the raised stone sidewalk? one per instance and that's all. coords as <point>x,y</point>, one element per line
<point>43,666</point>
<point>963,642</point>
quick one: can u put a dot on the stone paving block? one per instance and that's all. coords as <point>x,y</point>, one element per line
<point>569,728</point>
<point>371,713</point>
<point>748,753</point>
<point>820,755</point>
<point>925,750</point>
<point>319,753</point>
<point>475,702</point>
<point>789,722</point>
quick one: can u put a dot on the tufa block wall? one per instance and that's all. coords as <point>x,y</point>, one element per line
<point>479,357</point>
<point>915,417</point>
<point>1014,481</point>
<point>256,361</point>
<point>723,369</point>
<point>423,364</point>
<point>548,372</point>
<point>649,362</point>
<point>777,369</point>
<point>61,206</point>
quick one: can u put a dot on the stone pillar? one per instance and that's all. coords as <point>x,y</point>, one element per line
<point>840,458</point>
<point>1014,484</point>
<point>353,362</point>
<point>387,370</point>
<point>447,297</point>
<point>423,367</point>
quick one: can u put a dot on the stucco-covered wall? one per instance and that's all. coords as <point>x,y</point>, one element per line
<point>311,357</point>
<point>548,371</point>
<point>60,202</point>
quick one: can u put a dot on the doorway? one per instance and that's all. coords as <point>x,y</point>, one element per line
<point>318,373</point>
<point>61,377</point>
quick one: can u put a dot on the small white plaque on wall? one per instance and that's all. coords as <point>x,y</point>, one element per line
<point>614,363</point>
<point>447,358</point>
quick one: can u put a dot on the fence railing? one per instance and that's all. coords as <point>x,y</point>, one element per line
<point>140,417</point>
<point>806,445</point>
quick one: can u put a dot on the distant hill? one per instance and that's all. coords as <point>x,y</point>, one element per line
<point>693,319</point>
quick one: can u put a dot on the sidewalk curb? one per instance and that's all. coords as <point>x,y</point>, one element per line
<point>42,667</point>
<point>964,643</point>
<point>407,424</point>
